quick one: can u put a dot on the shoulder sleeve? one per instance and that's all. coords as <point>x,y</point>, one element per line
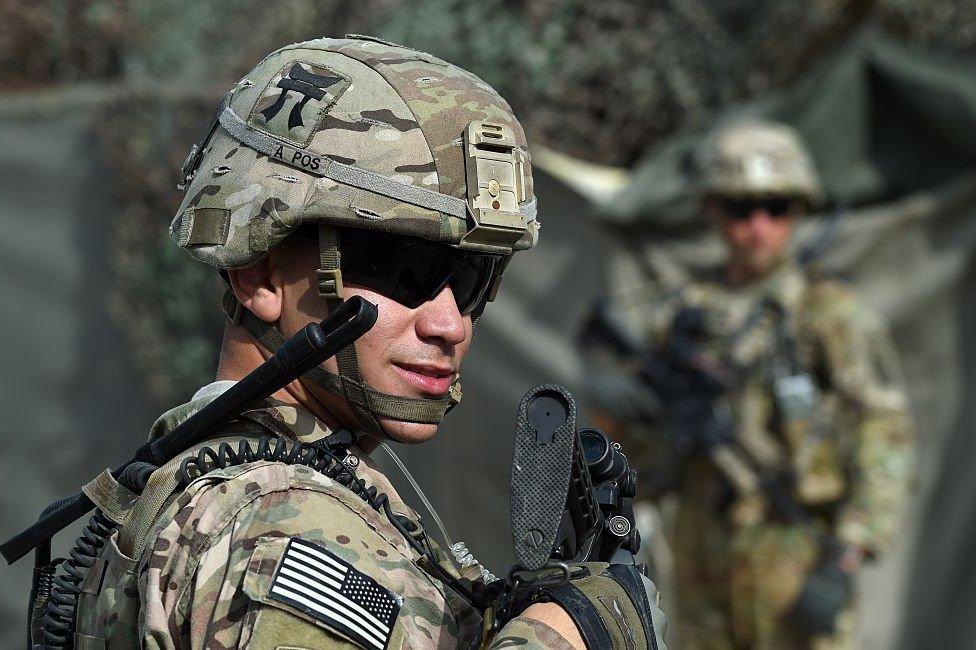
<point>270,555</point>
<point>864,369</point>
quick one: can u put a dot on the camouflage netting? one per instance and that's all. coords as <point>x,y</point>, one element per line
<point>601,81</point>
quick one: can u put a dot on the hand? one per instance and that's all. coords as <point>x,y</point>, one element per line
<point>825,594</point>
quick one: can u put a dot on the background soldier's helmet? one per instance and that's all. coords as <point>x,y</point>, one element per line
<point>356,133</point>
<point>757,158</point>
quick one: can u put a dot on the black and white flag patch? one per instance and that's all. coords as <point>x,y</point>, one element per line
<point>317,582</point>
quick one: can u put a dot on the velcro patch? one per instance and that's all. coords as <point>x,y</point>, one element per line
<point>315,581</point>
<point>296,99</point>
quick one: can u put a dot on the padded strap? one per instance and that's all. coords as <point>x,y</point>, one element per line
<point>111,497</point>
<point>586,617</point>
<point>610,607</point>
<point>161,486</point>
<point>627,576</point>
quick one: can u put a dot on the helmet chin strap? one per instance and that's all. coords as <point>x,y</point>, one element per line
<point>367,404</point>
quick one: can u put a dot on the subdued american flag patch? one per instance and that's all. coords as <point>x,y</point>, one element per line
<point>316,581</point>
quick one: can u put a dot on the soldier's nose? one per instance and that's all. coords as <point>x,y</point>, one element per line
<point>441,319</point>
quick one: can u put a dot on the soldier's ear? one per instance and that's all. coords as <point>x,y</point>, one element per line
<point>259,289</point>
<point>711,208</point>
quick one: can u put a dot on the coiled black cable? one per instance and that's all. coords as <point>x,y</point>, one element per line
<point>65,586</point>
<point>65,589</point>
<point>59,618</point>
<point>270,448</point>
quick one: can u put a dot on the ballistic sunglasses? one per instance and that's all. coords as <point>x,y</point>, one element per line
<point>739,209</point>
<point>413,271</point>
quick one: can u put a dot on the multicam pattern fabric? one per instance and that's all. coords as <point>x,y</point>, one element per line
<point>738,568</point>
<point>384,108</point>
<point>205,574</point>
<point>756,157</point>
<point>296,100</point>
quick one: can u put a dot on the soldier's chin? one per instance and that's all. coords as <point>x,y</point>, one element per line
<point>410,433</point>
<point>761,263</point>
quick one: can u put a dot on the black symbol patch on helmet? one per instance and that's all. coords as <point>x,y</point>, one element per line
<point>295,101</point>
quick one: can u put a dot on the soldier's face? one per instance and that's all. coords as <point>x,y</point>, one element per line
<point>756,231</point>
<point>409,352</point>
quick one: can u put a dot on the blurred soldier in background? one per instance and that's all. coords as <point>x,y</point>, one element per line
<point>335,168</point>
<point>769,402</point>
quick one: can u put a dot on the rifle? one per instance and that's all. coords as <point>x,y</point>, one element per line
<point>692,388</point>
<point>571,498</point>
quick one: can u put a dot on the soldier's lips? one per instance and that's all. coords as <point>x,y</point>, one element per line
<point>430,379</point>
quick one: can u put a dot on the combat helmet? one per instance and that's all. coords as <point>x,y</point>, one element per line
<point>357,133</point>
<point>750,158</point>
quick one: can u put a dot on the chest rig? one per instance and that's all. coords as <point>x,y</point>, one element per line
<point>777,392</point>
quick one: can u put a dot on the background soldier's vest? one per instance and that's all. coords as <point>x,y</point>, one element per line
<point>787,415</point>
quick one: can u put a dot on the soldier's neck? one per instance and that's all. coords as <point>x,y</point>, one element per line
<point>738,274</point>
<point>239,355</point>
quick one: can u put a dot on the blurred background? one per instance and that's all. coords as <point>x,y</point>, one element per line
<point>107,324</point>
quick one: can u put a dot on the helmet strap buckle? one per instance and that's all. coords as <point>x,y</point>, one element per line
<point>329,283</point>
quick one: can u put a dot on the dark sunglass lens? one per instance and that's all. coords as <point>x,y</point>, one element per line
<point>778,207</point>
<point>741,209</point>
<point>471,280</point>
<point>737,208</point>
<point>411,271</point>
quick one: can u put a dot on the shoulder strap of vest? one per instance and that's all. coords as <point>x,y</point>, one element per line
<point>162,485</point>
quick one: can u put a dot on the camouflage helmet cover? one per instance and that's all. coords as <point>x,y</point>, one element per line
<point>757,158</point>
<point>357,132</point>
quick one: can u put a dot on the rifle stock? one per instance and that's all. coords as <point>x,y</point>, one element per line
<point>571,490</point>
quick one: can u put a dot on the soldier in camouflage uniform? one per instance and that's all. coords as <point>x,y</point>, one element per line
<point>812,392</point>
<point>336,167</point>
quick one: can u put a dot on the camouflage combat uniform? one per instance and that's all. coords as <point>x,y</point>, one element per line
<point>738,566</point>
<point>204,576</point>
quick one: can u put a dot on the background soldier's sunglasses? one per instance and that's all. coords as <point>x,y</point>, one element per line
<point>413,271</point>
<point>741,209</point>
